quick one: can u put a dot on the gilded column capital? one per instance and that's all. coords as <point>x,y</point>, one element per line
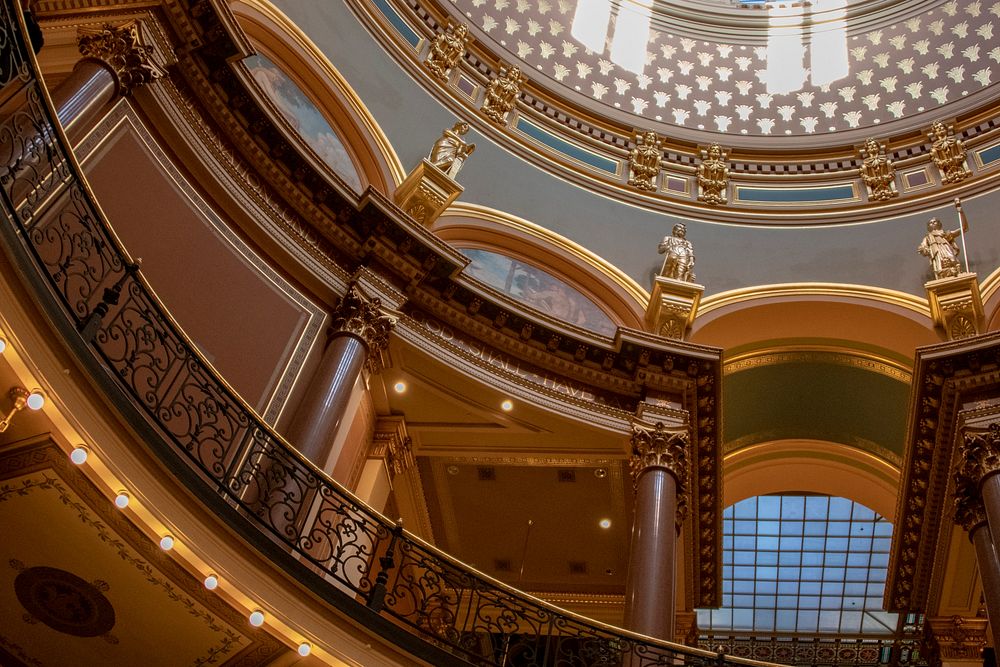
<point>662,447</point>
<point>122,50</point>
<point>980,451</point>
<point>391,442</point>
<point>954,638</point>
<point>969,510</point>
<point>363,318</point>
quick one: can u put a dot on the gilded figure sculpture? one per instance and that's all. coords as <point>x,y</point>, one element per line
<point>501,94</point>
<point>948,154</point>
<point>644,161</point>
<point>940,247</point>
<point>679,261</point>
<point>713,176</point>
<point>446,50</point>
<point>449,152</point>
<point>877,172</point>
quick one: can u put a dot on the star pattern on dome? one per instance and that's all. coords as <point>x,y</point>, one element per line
<point>919,64</point>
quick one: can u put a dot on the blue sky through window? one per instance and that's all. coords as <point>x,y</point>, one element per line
<point>802,564</point>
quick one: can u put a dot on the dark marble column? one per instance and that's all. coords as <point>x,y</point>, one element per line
<point>660,470</point>
<point>977,509</point>
<point>358,332</point>
<point>115,62</point>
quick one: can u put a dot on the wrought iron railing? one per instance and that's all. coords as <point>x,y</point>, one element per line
<point>830,651</point>
<point>411,593</point>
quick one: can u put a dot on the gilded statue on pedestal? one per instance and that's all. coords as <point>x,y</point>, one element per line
<point>679,261</point>
<point>940,247</point>
<point>948,154</point>
<point>713,176</point>
<point>501,94</point>
<point>644,161</point>
<point>446,50</point>
<point>450,150</point>
<point>877,172</point>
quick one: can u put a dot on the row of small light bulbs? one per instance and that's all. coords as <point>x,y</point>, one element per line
<point>35,400</point>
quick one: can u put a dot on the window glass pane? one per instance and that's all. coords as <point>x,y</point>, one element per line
<point>806,564</point>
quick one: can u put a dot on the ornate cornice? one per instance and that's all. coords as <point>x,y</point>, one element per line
<point>362,318</point>
<point>946,378</point>
<point>121,49</point>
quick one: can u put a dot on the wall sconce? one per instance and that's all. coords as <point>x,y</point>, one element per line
<point>33,400</point>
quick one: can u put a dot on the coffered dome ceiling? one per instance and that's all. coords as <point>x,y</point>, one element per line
<point>733,68</point>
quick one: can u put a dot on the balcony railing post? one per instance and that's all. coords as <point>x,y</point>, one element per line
<point>376,596</point>
<point>112,295</point>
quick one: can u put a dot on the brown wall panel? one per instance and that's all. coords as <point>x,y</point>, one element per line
<point>246,325</point>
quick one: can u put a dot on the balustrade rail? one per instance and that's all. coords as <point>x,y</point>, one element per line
<point>55,233</point>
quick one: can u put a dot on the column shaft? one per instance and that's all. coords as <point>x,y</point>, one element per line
<point>89,88</point>
<point>649,590</point>
<point>324,406</point>
<point>987,552</point>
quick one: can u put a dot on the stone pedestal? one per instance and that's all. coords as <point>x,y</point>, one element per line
<point>426,193</point>
<point>672,307</point>
<point>956,306</point>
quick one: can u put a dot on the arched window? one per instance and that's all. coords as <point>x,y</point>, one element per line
<point>802,563</point>
<point>304,117</point>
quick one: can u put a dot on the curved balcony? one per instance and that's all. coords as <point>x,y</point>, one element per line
<point>413,595</point>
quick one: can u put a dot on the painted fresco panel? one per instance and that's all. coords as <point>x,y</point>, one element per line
<point>537,288</point>
<point>304,117</point>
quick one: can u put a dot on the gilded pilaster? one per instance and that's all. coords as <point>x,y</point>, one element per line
<point>122,50</point>
<point>363,319</point>
<point>391,442</point>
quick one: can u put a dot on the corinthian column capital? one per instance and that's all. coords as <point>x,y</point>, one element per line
<point>980,450</point>
<point>122,50</point>
<point>969,510</point>
<point>363,318</point>
<point>660,447</point>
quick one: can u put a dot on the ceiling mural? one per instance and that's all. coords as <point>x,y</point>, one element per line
<point>304,117</point>
<point>539,289</point>
<point>811,73</point>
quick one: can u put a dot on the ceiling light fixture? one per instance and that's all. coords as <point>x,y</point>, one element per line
<point>400,387</point>
<point>166,542</point>
<point>604,523</point>
<point>257,618</point>
<point>305,649</point>
<point>600,473</point>
<point>121,500</point>
<point>79,455</point>
<point>507,405</point>
<point>22,398</point>
<point>211,582</point>
<point>3,344</point>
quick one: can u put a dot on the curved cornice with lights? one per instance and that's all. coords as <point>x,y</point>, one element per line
<point>563,132</point>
